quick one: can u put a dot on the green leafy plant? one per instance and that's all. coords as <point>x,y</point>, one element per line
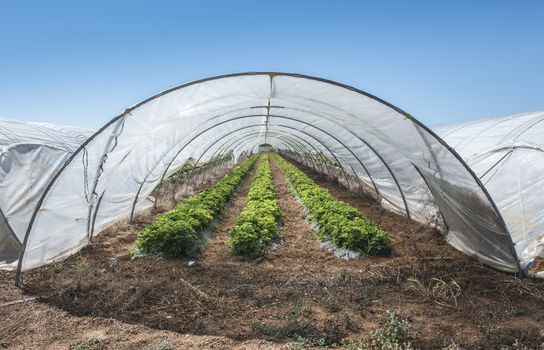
<point>338,222</point>
<point>299,326</point>
<point>394,334</point>
<point>178,232</point>
<point>257,225</point>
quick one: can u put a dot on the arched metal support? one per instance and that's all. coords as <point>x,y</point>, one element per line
<point>190,177</point>
<point>259,116</point>
<point>311,125</point>
<point>355,156</point>
<point>82,148</point>
<point>432,134</point>
<point>292,144</point>
<point>295,129</point>
<point>232,143</point>
<point>112,140</point>
<point>300,148</point>
<point>216,153</point>
<point>526,129</point>
<point>332,153</point>
<point>205,168</point>
<point>372,148</point>
<point>309,156</point>
<point>96,214</point>
<point>260,125</point>
<point>326,147</point>
<point>157,189</point>
<point>175,156</point>
<point>340,142</point>
<point>401,192</point>
<point>202,155</point>
<point>256,125</point>
<point>292,119</point>
<point>312,156</point>
<point>198,134</point>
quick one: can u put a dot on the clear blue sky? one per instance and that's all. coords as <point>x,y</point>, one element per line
<point>82,62</point>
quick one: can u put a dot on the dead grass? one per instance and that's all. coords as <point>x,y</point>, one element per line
<point>441,292</point>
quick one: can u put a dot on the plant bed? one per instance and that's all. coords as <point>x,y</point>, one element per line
<point>180,232</point>
<point>334,220</point>
<point>257,226</point>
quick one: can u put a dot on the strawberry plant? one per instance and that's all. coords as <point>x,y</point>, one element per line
<point>178,232</point>
<point>338,222</point>
<point>257,225</point>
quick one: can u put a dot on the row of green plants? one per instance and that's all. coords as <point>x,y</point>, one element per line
<point>179,232</point>
<point>257,225</point>
<point>338,222</point>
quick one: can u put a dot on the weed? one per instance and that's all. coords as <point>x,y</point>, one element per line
<point>164,345</point>
<point>344,278</point>
<point>518,311</point>
<point>451,345</point>
<point>363,293</point>
<point>331,305</point>
<point>356,345</point>
<point>304,343</point>
<point>92,344</point>
<point>364,302</point>
<point>303,331</point>
<point>347,319</point>
<point>81,266</point>
<point>393,335</point>
<point>517,345</point>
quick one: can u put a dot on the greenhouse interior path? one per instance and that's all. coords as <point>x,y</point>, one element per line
<point>298,291</point>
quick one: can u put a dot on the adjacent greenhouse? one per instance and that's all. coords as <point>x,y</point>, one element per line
<point>30,156</point>
<point>507,155</point>
<point>360,140</point>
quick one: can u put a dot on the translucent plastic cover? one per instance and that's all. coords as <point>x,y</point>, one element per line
<point>507,154</point>
<point>30,155</point>
<point>396,159</point>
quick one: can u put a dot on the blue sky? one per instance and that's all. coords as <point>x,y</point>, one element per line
<point>82,62</point>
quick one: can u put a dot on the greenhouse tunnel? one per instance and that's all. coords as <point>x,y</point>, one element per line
<point>359,140</point>
<point>507,156</point>
<point>30,155</point>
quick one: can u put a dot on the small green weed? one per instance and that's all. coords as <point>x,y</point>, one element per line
<point>91,344</point>
<point>162,345</point>
<point>393,335</point>
<point>81,266</point>
<point>303,331</point>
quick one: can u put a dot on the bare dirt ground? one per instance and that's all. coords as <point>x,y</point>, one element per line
<point>296,293</point>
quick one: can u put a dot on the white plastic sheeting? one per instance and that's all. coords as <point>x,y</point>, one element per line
<point>402,161</point>
<point>507,154</point>
<point>30,155</point>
